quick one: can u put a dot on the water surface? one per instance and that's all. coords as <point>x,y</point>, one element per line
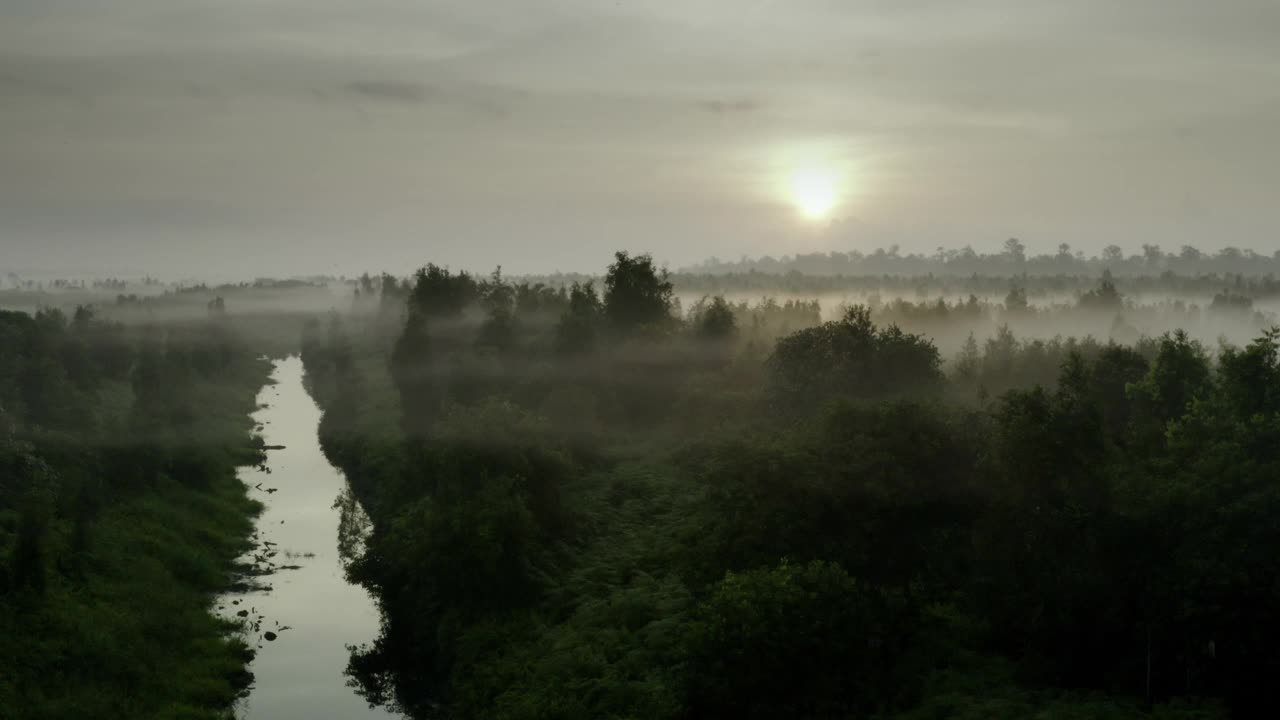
<point>314,612</point>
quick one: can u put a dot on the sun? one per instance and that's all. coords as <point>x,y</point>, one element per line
<point>817,177</point>
<point>814,192</point>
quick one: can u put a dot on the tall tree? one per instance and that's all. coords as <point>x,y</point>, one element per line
<point>637,295</point>
<point>578,329</point>
<point>414,375</point>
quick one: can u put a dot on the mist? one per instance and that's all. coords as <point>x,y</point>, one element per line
<point>804,360</point>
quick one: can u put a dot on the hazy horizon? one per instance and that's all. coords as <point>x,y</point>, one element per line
<point>284,138</point>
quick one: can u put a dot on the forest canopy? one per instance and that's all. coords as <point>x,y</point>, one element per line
<point>607,506</point>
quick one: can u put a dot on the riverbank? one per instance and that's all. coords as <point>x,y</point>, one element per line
<point>135,637</point>
<point>105,612</point>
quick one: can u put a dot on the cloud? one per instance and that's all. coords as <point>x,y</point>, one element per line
<point>728,107</point>
<point>475,100</point>
<point>656,125</point>
<point>391,91</point>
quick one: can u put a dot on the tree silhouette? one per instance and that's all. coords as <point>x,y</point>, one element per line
<point>637,295</point>
<point>578,329</point>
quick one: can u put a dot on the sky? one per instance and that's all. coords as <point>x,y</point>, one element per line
<point>279,137</point>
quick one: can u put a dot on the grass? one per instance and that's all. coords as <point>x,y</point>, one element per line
<point>126,629</point>
<point>136,638</point>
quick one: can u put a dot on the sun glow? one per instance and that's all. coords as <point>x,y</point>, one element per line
<point>814,192</point>
<point>817,179</point>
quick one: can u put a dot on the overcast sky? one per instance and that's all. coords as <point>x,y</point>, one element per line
<point>253,137</point>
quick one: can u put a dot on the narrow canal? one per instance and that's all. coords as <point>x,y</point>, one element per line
<point>300,613</point>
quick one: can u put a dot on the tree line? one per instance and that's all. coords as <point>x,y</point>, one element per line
<point>1012,259</point>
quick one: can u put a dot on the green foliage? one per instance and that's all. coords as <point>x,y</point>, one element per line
<point>579,326</point>
<point>414,375</point>
<point>637,296</point>
<point>437,292</point>
<point>886,490</point>
<point>30,488</point>
<point>619,655</point>
<point>1250,377</point>
<point>120,514</point>
<point>498,330</point>
<point>851,358</point>
<point>1003,363</point>
<point>979,688</point>
<point>605,523</point>
<point>714,319</point>
<point>1179,374</point>
<point>792,641</point>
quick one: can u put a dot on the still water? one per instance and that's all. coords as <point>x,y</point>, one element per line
<point>310,609</point>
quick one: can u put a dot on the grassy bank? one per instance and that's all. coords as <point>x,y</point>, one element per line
<point>118,533</point>
<point>134,636</point>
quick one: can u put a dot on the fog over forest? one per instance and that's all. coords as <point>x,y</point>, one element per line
<point>683,360</point>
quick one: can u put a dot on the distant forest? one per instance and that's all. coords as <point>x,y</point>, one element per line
<point>1010,261</point>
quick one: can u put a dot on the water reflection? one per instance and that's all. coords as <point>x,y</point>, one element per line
<point>306,619</point>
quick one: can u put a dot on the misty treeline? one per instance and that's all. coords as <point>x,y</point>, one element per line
<point>1011,259</point>
<point>1100,310</point>
<point>151,301</point>
<point>584,504</point>
<point>120,514</point>
<point>1040,290</point>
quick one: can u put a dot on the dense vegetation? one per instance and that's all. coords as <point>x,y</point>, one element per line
<point>120,514</point>
<point>1040,493</point>
<point>585,504</point>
